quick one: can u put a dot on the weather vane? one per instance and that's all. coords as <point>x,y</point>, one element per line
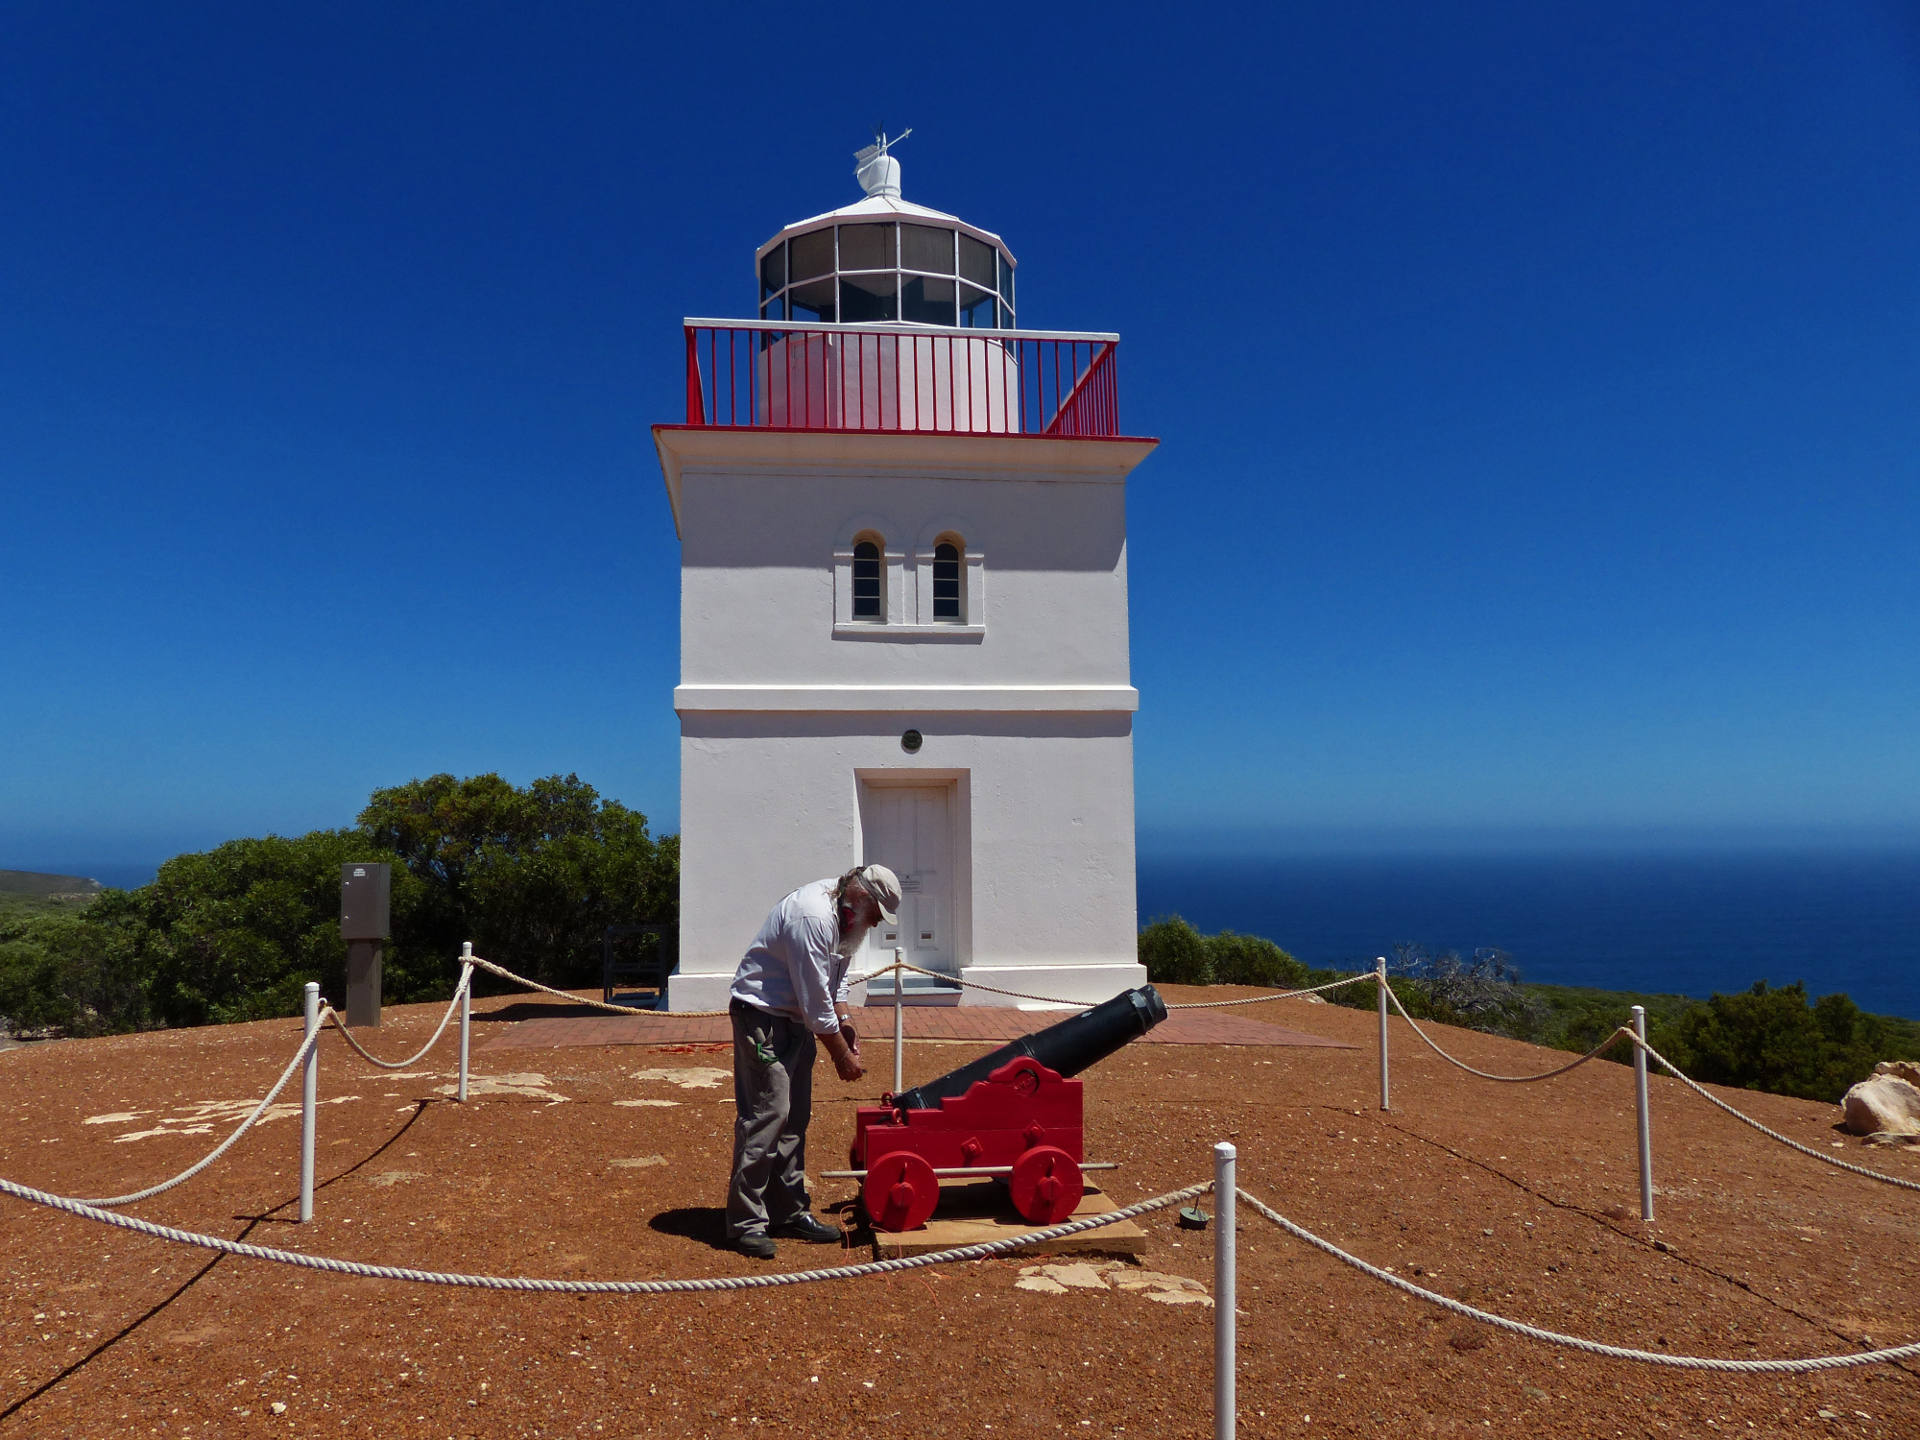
<point>876,170</point>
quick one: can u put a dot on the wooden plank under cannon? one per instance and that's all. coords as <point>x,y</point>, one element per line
<point>974,1211</point>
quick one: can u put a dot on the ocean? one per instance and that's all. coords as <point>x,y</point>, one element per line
<point>1675,924</point>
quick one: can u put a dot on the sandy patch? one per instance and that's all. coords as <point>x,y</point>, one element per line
<point>687,1077</point>
<point>205,1116</point>
<point>1057,1279</point>
<point>529,1083</point>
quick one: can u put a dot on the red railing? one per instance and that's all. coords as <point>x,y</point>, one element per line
<point>917,379</point>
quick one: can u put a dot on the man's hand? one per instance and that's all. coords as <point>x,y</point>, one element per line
<point>853,1040</point>
<point>846,1059</point>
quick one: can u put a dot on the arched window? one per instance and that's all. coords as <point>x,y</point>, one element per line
<point>947,599</point>
<point>868,598</point>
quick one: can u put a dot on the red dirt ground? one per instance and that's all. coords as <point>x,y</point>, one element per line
<point>1521,1199</point>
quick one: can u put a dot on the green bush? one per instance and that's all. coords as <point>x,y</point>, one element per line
<point>1773,1039</point>
<point>1174,953</point>
<point>71,973</point>
<point>1235,959</point>
<point>531,875</point>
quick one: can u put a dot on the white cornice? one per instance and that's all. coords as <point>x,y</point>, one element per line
<point>688,449</point>
<point>917,699</point>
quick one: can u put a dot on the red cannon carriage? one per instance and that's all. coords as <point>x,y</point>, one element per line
<point>1013,1115</point>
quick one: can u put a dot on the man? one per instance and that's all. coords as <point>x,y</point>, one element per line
<point>790,990</point>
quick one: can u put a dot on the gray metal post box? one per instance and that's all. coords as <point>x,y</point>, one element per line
<point>365,891</point>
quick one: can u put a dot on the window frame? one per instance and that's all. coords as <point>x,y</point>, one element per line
<point>777,303</point>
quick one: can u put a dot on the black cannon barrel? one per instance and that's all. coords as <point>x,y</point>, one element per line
<point>1069,1047</point>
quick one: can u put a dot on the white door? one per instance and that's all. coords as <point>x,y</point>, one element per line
<point>908,828</point>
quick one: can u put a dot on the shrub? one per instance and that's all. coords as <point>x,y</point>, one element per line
<point>1174,953</point>
<point>1237,959</point>
<point>1773,1039</point>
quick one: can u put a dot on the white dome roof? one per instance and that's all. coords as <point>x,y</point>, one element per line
<point>886,207</point>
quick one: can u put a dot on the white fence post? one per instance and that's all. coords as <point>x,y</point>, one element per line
<point>1646,1119</point>
<point>1380,973</point>
<point>1224,1315</point>
<point>466,1011</point>
<point>899,1022</point>
<point>309,1091</point>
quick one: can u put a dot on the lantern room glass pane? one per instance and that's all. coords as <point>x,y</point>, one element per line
<point>866,581</point>
<point>976,308</point>
<point>813,301</point>
<point>866,298</point>
<point>925,247</point>
<point>1006,286</point>
<point>773,271</point>
<point>946,582</point>
<point>866,247</point>
<point>978,262</point>
<point>810,255</point>
<point>774,308</point>
<point>925,300</point>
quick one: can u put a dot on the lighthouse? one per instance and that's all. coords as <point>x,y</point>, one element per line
<point>903,612</point>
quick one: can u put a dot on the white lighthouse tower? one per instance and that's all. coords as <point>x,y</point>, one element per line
<point>903,611</point>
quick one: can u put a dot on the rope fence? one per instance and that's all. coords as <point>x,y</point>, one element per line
<point>361,1270</point>
<point>1745,1119</point>
<point>1575,1342</point>
<point>1428,1041</point>
<point>1225,1189</point>
<point>106,1202</point>
<point>459,996</point>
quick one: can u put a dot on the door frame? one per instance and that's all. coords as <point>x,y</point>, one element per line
<point>959,787</point>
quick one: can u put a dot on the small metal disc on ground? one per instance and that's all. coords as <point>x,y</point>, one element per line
<point>1193,1218</point>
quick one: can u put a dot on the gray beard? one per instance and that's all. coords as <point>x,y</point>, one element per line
<point>851,940</point>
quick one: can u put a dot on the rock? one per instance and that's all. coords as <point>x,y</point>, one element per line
<point>1886,1102</point>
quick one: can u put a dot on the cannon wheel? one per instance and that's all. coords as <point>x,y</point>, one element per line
<point>900,1191</point>
<point>1046,1185</point>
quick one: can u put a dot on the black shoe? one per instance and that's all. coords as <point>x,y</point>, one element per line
<point>758,1246</point>
<point>809,1228</point>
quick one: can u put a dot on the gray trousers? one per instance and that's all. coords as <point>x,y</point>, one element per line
<point>772,1103</point>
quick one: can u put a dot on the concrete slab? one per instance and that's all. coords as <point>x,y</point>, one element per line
<point>973,1212</point>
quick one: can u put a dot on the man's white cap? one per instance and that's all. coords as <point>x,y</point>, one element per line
<point>884,886</point>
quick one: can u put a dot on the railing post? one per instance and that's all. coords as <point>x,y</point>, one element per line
<point>899,1022</point>
<point>1380,974</point>
<point>466,1011</point>
<point>1224,1314</point>
<point>309,1092</point>
<point>696,401</point>
<point>1646,1119</point>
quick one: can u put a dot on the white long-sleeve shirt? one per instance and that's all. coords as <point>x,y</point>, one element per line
<point>791,968</point>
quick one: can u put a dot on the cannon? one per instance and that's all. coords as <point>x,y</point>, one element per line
<point>1012,1115</point>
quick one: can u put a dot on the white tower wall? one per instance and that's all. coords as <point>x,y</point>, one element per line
<point>792,711</point>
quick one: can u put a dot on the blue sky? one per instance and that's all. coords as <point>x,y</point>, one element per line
<point>1538,387</point>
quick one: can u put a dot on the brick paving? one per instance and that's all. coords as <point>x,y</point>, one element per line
<point>568,1027</point>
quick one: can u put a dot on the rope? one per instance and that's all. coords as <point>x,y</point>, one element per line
<point>1697,1089</point>
<point>858,976</point>
<point>506,974</point>
<point>1277,995</point>
<point>466,979</point>
<point>594,1287</point>
<point>1489,1075</point>
<point>306,1046</point>
<point>1591,1347</point>
<point>967,984</point>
